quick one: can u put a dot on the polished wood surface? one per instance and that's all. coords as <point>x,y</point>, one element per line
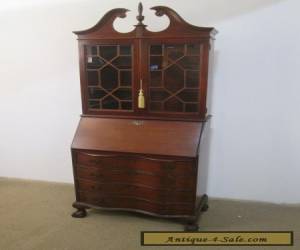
<point>126,157</point>
<point>114,162</point>
<point>150,137</point>
<point>142,191</point>
<point>136,203</point>
<point>137,177</point>
<point>180,102</point>
<point>163,186</point>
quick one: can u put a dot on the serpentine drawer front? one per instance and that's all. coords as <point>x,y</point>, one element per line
<point>161,186</point>
<point>138,190</point>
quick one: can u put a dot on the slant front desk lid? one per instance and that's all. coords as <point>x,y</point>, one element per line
<point>152,137</point>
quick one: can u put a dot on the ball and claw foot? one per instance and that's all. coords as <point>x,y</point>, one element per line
<point>80,213</point>
<point>191,227</point>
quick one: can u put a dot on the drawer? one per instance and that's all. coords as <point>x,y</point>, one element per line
<point>157,166</point>
<point>136,176</point>
<point>134,203</point>
<point>169,195</point>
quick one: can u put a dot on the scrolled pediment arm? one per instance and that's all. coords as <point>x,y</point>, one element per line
<point>177,21</point>
<point>107,20</point>
<point>171,14</point>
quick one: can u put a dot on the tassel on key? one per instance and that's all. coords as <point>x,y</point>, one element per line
<point>141,98</point>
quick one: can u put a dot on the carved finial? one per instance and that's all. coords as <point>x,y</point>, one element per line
<point>140,17</point>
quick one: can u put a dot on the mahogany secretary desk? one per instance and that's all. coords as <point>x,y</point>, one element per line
<point>143,93</point>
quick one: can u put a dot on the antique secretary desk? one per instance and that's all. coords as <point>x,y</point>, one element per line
<point>143,93</point>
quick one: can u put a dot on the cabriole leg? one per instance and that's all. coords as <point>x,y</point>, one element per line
<point>192,223</point>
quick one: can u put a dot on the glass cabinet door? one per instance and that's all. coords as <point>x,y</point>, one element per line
<point>109,77</point>
<point>174,76</point>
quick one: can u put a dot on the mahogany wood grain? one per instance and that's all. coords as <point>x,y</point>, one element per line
<point>152,137</point>
<point>165,194</point>
<point>137,203</point>
<point>134,159</point>
<point>162,167</point>
<point>136,177</point>
<point>179,31</point>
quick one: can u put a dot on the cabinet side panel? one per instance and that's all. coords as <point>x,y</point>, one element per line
<point>203,160</point>
<point>74,162</point>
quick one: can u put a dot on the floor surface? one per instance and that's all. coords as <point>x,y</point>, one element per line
<point>36,216</point>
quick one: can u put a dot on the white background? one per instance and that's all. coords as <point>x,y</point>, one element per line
<point>255,142</point>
